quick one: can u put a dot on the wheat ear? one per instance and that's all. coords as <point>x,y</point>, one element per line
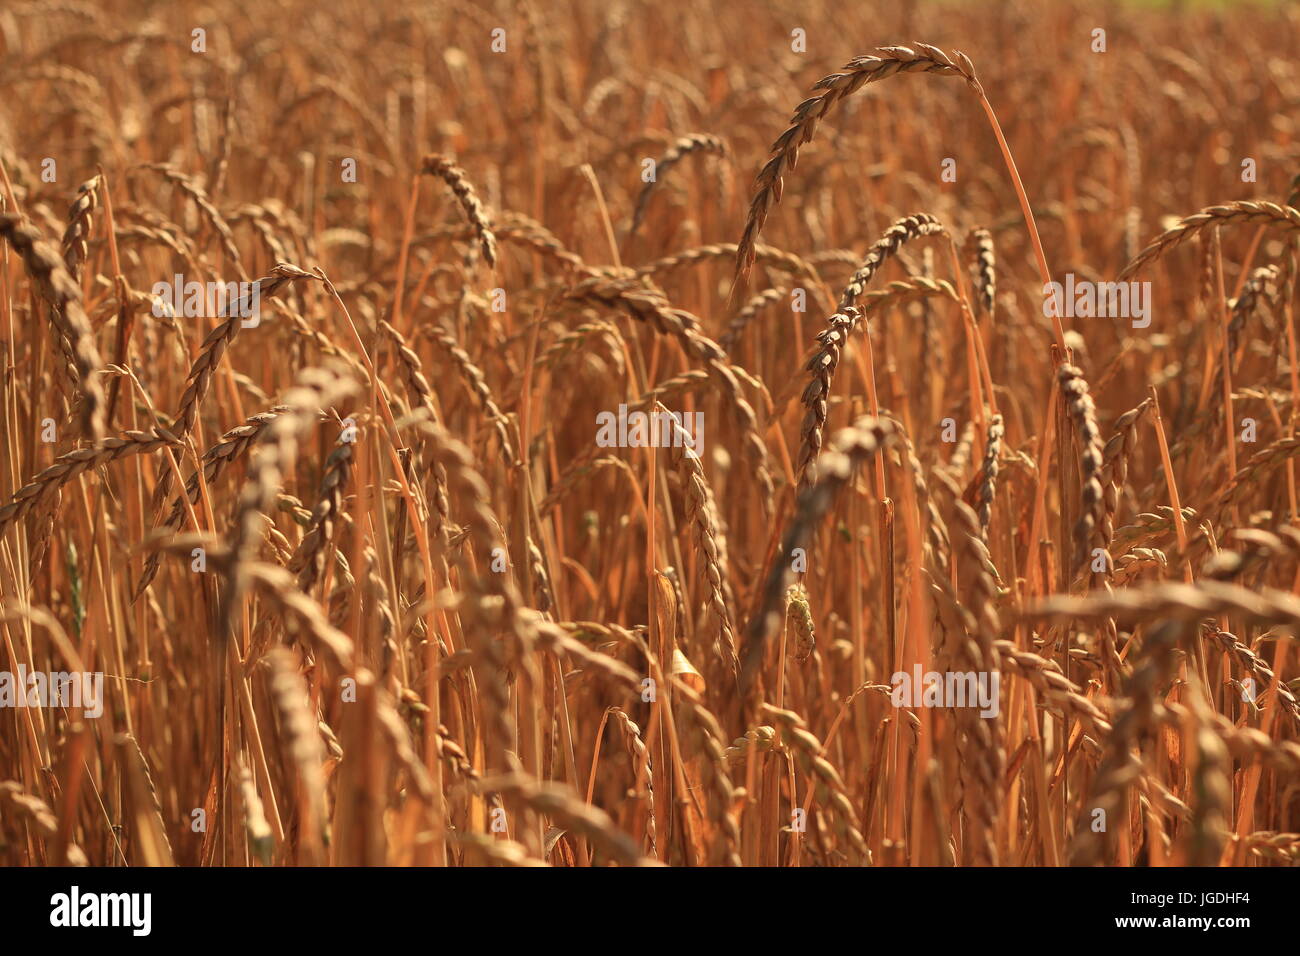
<point>803,123</point>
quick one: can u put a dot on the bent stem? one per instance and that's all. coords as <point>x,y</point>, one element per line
<point>1028,212</point>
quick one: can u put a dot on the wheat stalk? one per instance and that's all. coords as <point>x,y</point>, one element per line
<point>690,144</point>
<point>803,123</point>
<point>458,181</point>
<point>1242,212</point>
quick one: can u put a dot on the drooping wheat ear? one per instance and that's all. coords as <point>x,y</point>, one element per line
<point>543,597</point>
<point>1248,475</point>
<point>961,454</point>
<point>272,461</point>
<point>1119,766</point>
<point>651,308</point>
<point>299,740</point>
<point>410,367</point>
<point>692,380</point>
<point>190,187</point>
<point>701,514</point>
<point>747,313</point>
<point>563,806</point>
<point>175,244</point>
<point>1278,847</point>
<point>309,560</point>
<point>496,607</point>
<point>1129,566</point>
<point>1259,546</point>
<point>906,290</point>
<point>824,362</point>
<point>62,294</point>
<point>1256,667</point>
<point>412,372</point>
<point>825,780</point>
<point>574,342</point>
<point>816,395</point>
<point>513,228</point>
<point>988,477</point>
<point>798,616</point>
<point>643,791</point>
<point>1083,413</point>
<point>258,831</point>
<point>398,735</point>
<point>936,546</point>
<point>896,236</point>
<point>82,83</point>
<point>374,589</point>
<point>491,850</point>
<point>454,754</point>
<point>220,165</point>
<point>1234,213</point>
<point>476,382</point>
<point>1046,678</point>
<point>458,180</point>
<point>769,256</point>
<point>521,230</point>
<point>1173,600</point>
<point>586,464</point>
<point>985,270</point>
<point>471,492</point>
<point>849,449</point>
<point>36,812</point>
<point>701,733</point>
<point>1244,743</point>
<point>69,466</point>
<point>803,124</point>
<point>701,143</point>
<point>210,352</point>
<point>1256,287</point>
<point>761,738</point>
<point>156,848</point>
<point>80,224</point>
<point>556,639</point>
<point>1148,526</point>
<point>277,586</point>
<point>1115,459</point>
<point>75,249</point>
<point>844,258</point>
<point>227,449</point>
<point>982,756</point>
<point>263,221</point>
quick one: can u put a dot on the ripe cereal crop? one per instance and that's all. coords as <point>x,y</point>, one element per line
<point>612,434</point>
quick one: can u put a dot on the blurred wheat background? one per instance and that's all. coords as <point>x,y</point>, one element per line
<point>365,589</point>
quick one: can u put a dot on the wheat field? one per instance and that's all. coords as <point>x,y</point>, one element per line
<point>644,434</point>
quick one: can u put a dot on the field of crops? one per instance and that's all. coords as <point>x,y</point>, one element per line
<point>610,433</point>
